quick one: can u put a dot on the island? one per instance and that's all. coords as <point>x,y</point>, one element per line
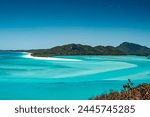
<point>29,68</point>
<point>124,48</point>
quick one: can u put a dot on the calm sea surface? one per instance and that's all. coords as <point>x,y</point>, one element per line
<point>77,77</point>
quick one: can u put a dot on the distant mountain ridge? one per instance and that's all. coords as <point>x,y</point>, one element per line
<point>133,49</point>
<point>125,48</point>
<point>77,49</point>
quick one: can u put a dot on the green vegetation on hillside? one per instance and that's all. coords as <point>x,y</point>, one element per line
<point>134,49</point>
<point>78,49</point>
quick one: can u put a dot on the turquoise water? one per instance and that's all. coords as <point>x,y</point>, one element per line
<point>69,77</point>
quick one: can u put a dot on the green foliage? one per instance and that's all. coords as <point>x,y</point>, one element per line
<point>128,85</point>
<point>128,88</point>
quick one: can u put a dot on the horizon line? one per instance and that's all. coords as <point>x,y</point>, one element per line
<point>73,43</point>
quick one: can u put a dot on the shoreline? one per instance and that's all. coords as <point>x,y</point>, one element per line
<point>28,55</point>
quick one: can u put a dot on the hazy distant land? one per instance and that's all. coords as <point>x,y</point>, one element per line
<point>125,48</point>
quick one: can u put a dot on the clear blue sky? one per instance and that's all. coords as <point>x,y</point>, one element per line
<point>28,24</point>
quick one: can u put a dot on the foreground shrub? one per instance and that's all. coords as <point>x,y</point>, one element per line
<point>141,92</point>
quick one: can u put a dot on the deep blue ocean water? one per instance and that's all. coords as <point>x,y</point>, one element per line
<point>27,78</point>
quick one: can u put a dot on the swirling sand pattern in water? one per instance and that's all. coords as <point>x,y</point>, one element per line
<point>67,77</point>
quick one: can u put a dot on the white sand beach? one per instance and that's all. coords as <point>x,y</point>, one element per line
<point>28,55</point>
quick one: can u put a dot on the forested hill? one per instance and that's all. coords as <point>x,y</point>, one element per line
<point>125,48</point>
<point>77,49</point>
<point>133,49</point>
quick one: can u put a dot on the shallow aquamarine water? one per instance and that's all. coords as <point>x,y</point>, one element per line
<point>27,78</point>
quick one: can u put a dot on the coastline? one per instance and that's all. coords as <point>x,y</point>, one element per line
<point>34,77</point>
<point>28,55</point>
